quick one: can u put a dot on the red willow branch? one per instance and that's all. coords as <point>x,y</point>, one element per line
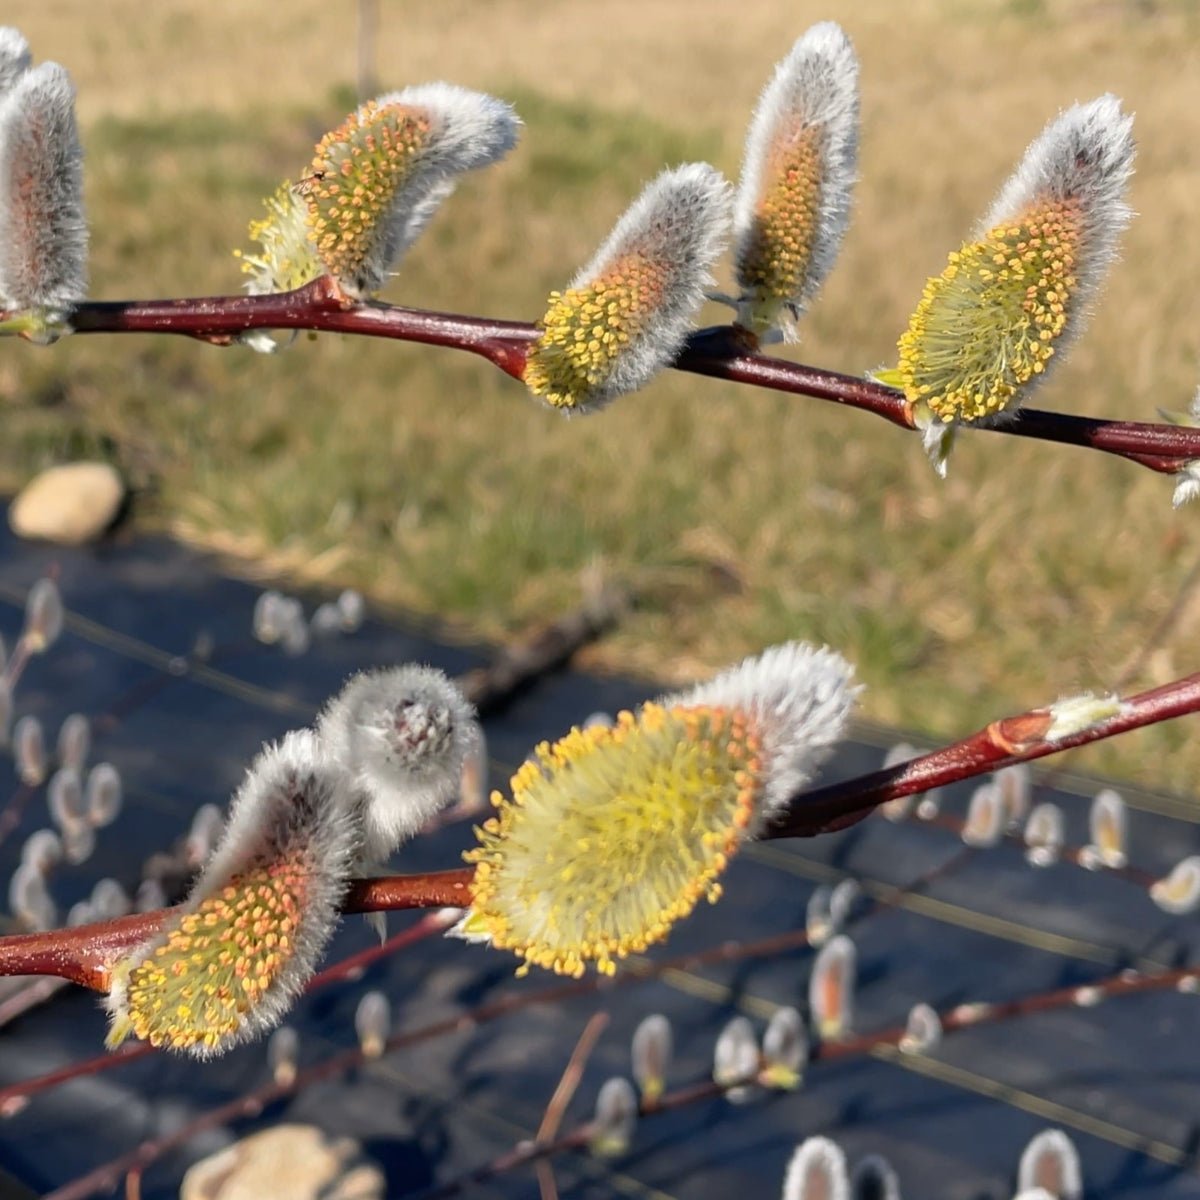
<point>721,353</point>
<point>14,1096</point>
<point>84,953</point>
<point>1020,738</point>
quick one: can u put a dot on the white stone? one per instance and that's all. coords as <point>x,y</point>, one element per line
<point>70,504</point>
<point>300,1162</point>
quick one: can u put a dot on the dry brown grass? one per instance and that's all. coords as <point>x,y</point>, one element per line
<point>748,517</point>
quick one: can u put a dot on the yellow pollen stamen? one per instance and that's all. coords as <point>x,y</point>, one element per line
<point>585,330</point>
<point>213,968</point>
<point>613,835</point>
<point>287,259</point>
<point>775,262</point>
<point>987,324</point>
<point>356,171</point>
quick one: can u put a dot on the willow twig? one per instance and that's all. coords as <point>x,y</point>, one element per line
<point>725,352</point>
<point>83,954</point>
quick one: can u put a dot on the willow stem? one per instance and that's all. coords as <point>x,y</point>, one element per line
<point>724,352</point>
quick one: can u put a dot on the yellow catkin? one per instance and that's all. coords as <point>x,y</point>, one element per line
<point>217,963</point>
<point>286,258</point>
<point>988,323</point>
<point>778,252</point>
<point>355,174</point>
<point>614,834</point>
<point>586,329</point>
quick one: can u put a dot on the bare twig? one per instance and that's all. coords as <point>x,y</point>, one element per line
<point>563,1093</point>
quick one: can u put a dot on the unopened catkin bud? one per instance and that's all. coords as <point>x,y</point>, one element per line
<point>151,895</point>
<point>651,1052</point>
<point>1179,892</point>
<point>1016,793</point>
<point>784,1050</point>
<point>103,796</point>
<point>43,616</point>
<point>986,817</point>
<point>29,751</point>
<point>74,741</point>
<point>268,617</point>
<point>922,1031</point>
<point>43,232</point>
<point>110,900</point>
<point>1109,821</point>
<point>900,808</point>
<point>403,734</point>
<point>817,1171</point>
<point>615,1118</point>
<point>373,1023</point>
<point>326,620</point>
<point>818,924</point>
<point>228,963</point>
<point>1044,835</point>
<point>831,989</point>
<point>66,800</point>
<point>736,1060</point>
<point>283,1051</point>
<point>42,850</point>
<point>843,900</point>
<point>29,900</point>
<point>1051,1161</point>
<point>294,634</point>
<point>793,202</point>
<point>79,843</point>
<point>625,316</point>
<point>874,1179</point>
<point>351,609</point>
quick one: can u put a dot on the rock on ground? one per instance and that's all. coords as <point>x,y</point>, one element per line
<point>70,504</point>
<point>296,1161</point>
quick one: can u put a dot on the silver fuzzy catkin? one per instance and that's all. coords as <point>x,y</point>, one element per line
<point>793,200</point>
<point>799,697</point>
<point>817,1171</point>
<point>627,313</point>
<point>230,961</point>
<point>43,231</point>
<point>403,735</point>
<point>15,58</point>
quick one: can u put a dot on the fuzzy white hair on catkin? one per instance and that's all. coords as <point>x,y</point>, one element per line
<point>680,223</point>
<point>816,85</point>
<point>43,232</point>
<point>1084,155</point>
<point>293,802</point>
<point>817,1169</point>
<point>799,697</point>
<point>1051,1161</point>
<point>15,58</point>
<point>469,130</point>
<point>403,734</point>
